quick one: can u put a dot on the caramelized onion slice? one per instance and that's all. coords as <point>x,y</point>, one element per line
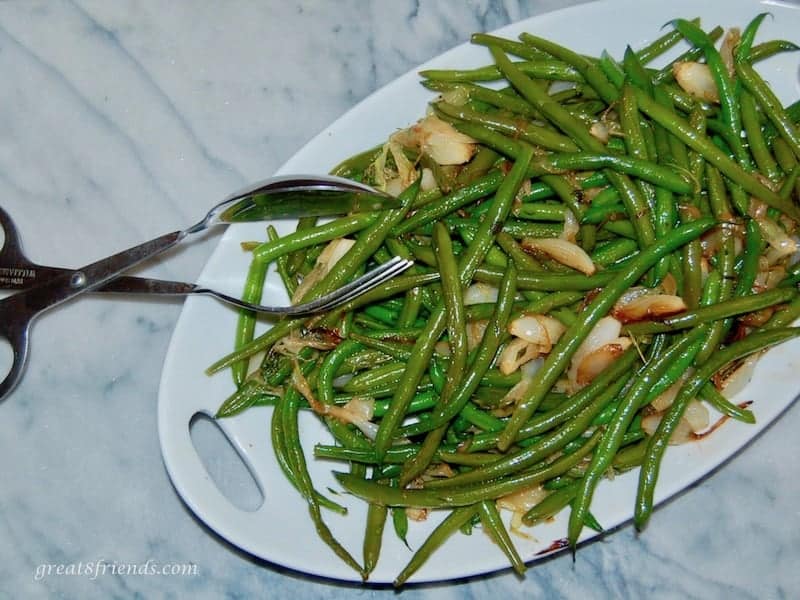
<point>563,251</point>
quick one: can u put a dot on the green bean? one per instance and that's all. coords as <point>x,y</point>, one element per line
<point>478,189</point>
<point>493,524</point>
<point>245,396</point>
<point>366,244</point>
<point>611,69</point>
<point>468,263</point>
<point>304,484</point>
<point>521,259</point>
<point>382,314</point>
<point>510,46</point>
<point>454,521</point>
<point>480,164</point>
<point>638,211</point>
<point>660,45</point>
<point>539,69</point>
<point>395,350</point>
<point>657,443</point>
<point>537,451</point>
<point>535,134</point>
<point>680,129</point>
<point>560,356</point>
<point>551,505</point>
<point>692,271</point>
<point>548,282</point>
<point>550,301</point>
<point>483,358</point>
<point>388,374</point>
<point>612,438</point>
<point>745,45</point>
<point>590,72</point>
<point>755,138</point>
<point>509,102</point>
<point>729,102</point>
<point>457,341</point>
<point>771,48</point>
<point>710,394</point>
<point>770,104</point>
<point>666,74</point>
<point>282,265</point>
<point>464,495</point>
<point>356,164</point>
<point>749,268</point>
<point>373,536</point>
<point>612,251</point>
<point>705,314</point>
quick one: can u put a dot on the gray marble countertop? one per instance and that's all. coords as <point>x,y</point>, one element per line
<point>121,120</point>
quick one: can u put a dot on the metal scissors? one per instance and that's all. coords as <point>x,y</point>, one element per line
<point>42,287</point>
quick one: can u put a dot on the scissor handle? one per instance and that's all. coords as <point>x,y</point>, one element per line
<point>16,331</point>
<point>17,311</point>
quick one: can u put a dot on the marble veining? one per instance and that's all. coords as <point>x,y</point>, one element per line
<point>121,120</point>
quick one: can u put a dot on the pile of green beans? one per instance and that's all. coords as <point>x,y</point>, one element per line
<point>685,195</point>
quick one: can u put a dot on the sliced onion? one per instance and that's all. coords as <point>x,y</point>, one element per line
<point>669,285</point>
<point>458,96</point>
<point>519,503</point>
<point>529,369</point>
<point>523,500</point>
<point>600,131</point>
<point>405,168</point>
<point>439,139</point>
<point>632,293</point>
<point>696,79</point>
<point>665,399</point>
<point>515,393</point>
<point>591,193</point>
<point>565,252</point>
<point>757,208</point>
<point>417,514</point>
<point>696,414</point>
<point>595,362</point>
<point>781,244</point>
<point>480,293</point>
<point>515,354</point>
<point>650,422</point>
<point>774,276</point>
<point>335,250</point>
<point>735,381</point>
<point>475,332</point>
<point>571,227</point>
<point>682,434</point>
<point>394,186</point>
<point>606,331</point>
<point>726,50</point>
<point>428,182</point>
<point>537,329</point>
<point>649,306</point>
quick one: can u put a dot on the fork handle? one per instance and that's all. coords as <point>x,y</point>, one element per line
<point>146,285</point>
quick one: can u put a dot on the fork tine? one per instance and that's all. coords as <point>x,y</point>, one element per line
<point>380,278</point>
<point>353,289</point>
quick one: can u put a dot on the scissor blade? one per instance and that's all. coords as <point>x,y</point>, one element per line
<point>24,278</point>
<point>71,283</point>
